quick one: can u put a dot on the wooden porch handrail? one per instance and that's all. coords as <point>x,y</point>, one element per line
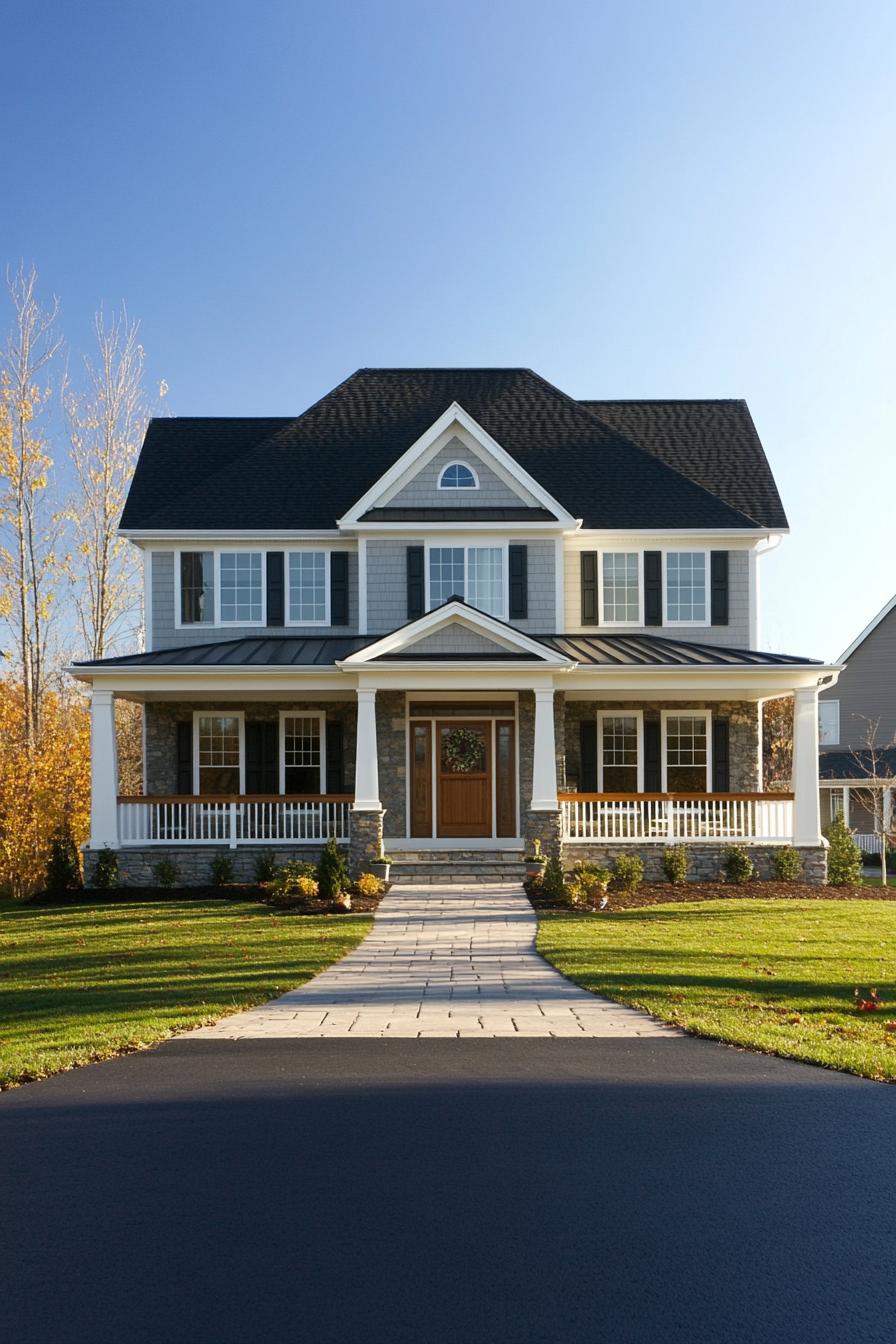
<point>237,798</point>
<point>672,797</point>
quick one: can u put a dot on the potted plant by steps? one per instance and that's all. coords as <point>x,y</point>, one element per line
<point>380,865</point>
<point>535,861</point>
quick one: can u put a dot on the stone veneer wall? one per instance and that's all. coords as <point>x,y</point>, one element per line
<point>366,841</point>
<point>742,715</point>
<point>391,743</point>
<point>704,860</point>
<point>136,866</point>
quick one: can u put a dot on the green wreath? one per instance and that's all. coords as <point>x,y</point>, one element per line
<point>463,751</point>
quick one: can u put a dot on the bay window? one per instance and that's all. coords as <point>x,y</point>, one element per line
<point>475,573</point>
<point>686,759</point>
<point>621,588</point>
<point>308,587</point>
<point>240,587</point>
<point>218,753</point>
<point>686,588</point>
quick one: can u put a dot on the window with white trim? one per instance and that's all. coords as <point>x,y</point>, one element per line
<point>836,808</point>
<point>474,573</point>
<point>686,748</point>
<point>828,723</point>
<point>308,587</point>
<point>620,588</point>
<point>240,600</point>
<point>686,587</point>
<point>302,761</point>
<point>197,587</point>
<point>619,738</point>
<point>218,753</point>
<point>458,476</point>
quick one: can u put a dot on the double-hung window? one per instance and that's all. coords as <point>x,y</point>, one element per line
<point>686,759</point>
<point>218,753</point>
<point>621,588</point>
<point>619,745</point>
<point>240,587</point>
<point>475,573</point>
<point>308,587</point>
<point>828,723</point>
<point>197,588</point>
<point>686,588</point>
<point>302,756</point>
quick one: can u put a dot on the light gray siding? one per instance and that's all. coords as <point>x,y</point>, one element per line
<point>423,490</point>
<point>542,606</point>
<point>456,639</point>
<point>867,689</point>
<point>736,634</point>
<point>165,636</point>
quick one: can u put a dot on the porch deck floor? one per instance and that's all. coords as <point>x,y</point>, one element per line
<point>442,961</point>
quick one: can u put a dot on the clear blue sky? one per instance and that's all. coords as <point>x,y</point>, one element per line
<point>635,199</point>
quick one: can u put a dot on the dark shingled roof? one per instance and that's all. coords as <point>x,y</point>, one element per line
<point>857,764</point>
<point>324,650</point>
<point>307,471</point>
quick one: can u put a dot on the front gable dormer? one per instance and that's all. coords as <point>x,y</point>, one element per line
<point>458,632</point>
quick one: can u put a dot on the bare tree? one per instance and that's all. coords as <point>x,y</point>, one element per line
<point>30,565</point>
<point>876,764</point>
<point>106,426</point>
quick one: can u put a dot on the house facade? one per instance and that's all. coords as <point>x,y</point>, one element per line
<point>454,609</point>
<point>857,734</point>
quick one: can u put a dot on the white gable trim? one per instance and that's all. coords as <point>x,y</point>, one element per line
<point>457,613</point>
<point>872,625</point>
<point>504,465</point>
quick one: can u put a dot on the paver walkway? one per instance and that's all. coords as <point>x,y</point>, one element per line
<point>442,961</point>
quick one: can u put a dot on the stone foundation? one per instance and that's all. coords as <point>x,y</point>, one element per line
<point>704,861</point>
<point>546,827</point>
<point>136,867</point>
<point>366,841</point>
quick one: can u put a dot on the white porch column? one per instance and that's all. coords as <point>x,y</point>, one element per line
<point>367,778</point>
<point>544,756</point>
<point>103,771</point>
<point>806,806</point>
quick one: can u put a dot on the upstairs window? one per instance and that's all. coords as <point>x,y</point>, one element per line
<point>197,588</point>
<point>686,588</point>
<point>474,573</point>
<point>458,476</point>
<point>828,723</point>
<point>621,588</point>
<point>308,587</point>
<point>241,585</point>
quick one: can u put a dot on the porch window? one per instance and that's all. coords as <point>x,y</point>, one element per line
<point>302,761</point>
<point>219,755</point>
<point>620,588</point>
<point>197,588</point>
<point>686,587</point>
<point>620,753</point>
<point>474,573</point>
<point>836,803</point>
<point>686,760</point>
<point>308,587</point>
<point>241,587</point>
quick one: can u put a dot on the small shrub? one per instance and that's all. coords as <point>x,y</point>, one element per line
<point>629,872</point>
<point>675,864</point>
<point>368,885</point>
<point>587,882</point>
<point>737,864</point>
<point>289,883</point>
<point>64,865</point>
<point>332,872</point>
<point>787,863</point>
<point>166,873</point>
<point>576,889</point>
<point>844,856</point>
<point>221,870</point>
<point>265,868</point>
<point>105,872</point>
<point>552,883</point>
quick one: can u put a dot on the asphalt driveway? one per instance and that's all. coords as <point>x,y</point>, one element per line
<point>468,1190</point>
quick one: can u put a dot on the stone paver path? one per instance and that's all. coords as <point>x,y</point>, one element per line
<point>442,961</point>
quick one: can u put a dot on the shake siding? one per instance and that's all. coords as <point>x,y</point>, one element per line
<point>165,636</point>
<point>867,689</point>
<point>735,634</point>
<point>423,490</point>
<point>455,639</point>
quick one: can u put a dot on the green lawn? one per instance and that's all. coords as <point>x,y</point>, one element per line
<point>776,976</point>
<point>80,982</point>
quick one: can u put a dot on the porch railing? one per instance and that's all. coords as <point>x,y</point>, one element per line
<point>245,820</point>
<point>672,817</point>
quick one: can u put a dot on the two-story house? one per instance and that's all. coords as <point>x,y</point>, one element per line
<point>454,609</point>
<point>857,723</point>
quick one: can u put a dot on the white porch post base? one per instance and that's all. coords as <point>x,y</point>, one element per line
<point>806,804</point>
<point>367,779</point>
<point>544,756</point>
<point>103,771</point>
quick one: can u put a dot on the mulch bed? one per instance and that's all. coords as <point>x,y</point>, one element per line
<point>663,893</point>
<point>231,892</point>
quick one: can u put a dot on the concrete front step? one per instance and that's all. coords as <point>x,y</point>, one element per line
<point>454,866</point>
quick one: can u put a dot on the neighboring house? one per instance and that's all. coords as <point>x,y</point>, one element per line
<point>857,732</point>
<point>454,609</point>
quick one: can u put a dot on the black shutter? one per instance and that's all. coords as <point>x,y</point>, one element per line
<point>185,757</point>
<point>653,592</point>
<point>719,587</point>
<point>653,763</point>
<point>519,582</point>
<point>416,594</point>
<point>589,587</point>
<point>262,772</point>
<point>588,756</point>
<point>720,756</point>
<point>274,573</point>
<point>334,757</point>
<point>339,588</point>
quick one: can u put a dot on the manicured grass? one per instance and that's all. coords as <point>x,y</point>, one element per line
<point>875,881</point>
<point>82,981</point>
<point>776,976</point>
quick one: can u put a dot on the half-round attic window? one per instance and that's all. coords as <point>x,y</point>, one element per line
<point>458,476</point>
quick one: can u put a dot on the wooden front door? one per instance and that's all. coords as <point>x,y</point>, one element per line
<point>464,778</point>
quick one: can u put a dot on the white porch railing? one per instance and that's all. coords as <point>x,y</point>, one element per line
<point>673,817</point>
<point>296,820</point>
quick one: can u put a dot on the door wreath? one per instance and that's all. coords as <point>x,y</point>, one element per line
<point>463,751</point>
